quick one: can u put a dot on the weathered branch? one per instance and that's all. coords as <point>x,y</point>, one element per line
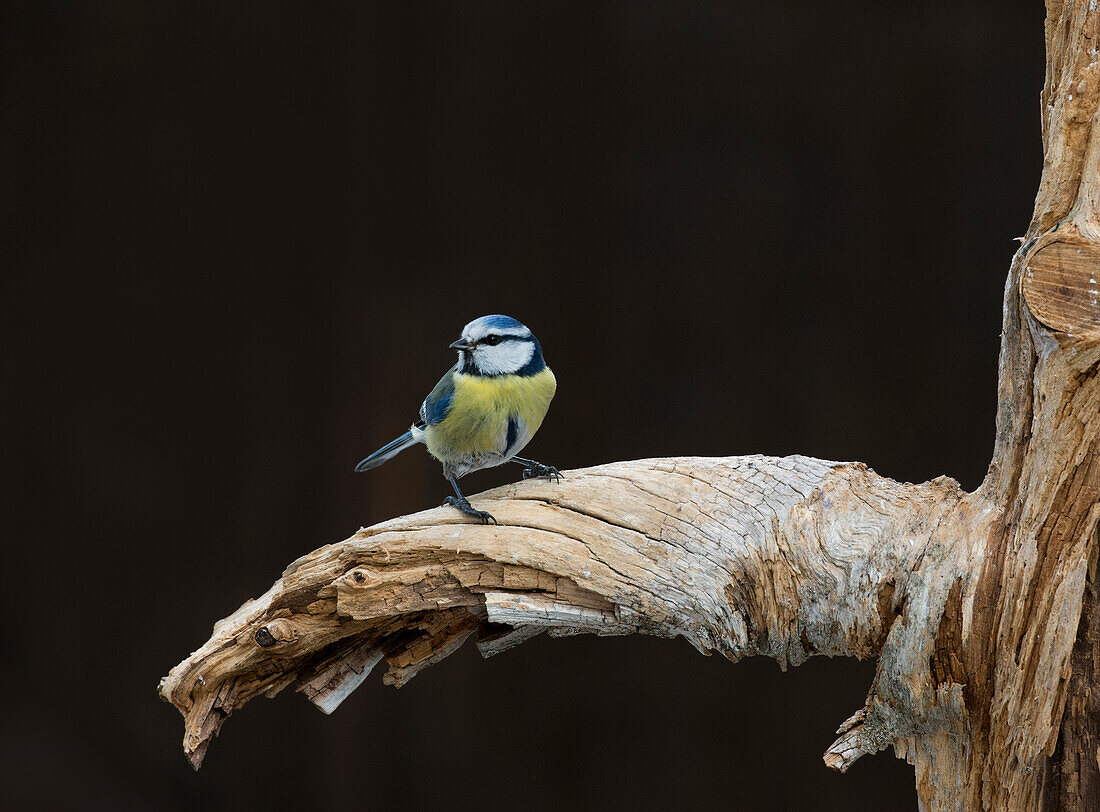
<point>746,555</point>
<point>981,608</point>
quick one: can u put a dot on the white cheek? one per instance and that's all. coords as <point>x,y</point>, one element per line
<point>504,359</point>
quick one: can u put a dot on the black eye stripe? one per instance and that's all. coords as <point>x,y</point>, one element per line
<point>502,339</point>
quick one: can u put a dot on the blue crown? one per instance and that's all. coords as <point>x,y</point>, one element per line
<point>500,321</point>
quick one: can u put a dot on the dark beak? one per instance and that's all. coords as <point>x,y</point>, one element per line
<point>461,344</point>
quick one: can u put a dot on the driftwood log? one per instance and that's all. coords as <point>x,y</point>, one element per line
<point>981,608</point>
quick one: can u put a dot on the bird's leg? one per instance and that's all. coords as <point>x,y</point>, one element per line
<point>463,504</point>
<point>537,469</point>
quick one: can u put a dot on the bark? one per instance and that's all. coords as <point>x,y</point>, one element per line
<point>981,607</point>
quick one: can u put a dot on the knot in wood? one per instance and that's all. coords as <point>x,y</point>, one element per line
<point>358,577</point>
<point>1061,285</point>
<point>275,632</point>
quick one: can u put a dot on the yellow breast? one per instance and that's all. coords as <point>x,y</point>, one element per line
<point>477,422</point>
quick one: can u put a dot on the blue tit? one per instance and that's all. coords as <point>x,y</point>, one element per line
<point>485,409</point>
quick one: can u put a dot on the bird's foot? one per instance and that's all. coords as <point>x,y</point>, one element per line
<point>537,469</point>
<point>465,506</point>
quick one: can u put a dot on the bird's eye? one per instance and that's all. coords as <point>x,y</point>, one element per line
<point>492,341</point>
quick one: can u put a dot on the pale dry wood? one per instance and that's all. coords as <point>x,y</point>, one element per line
<point>980,607</point>
<point>745,555</point>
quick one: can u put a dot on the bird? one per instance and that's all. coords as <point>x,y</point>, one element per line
<point>485,409</point>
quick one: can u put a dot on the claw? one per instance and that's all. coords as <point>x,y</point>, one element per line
<point>464,505</point>
<point>551,473</point>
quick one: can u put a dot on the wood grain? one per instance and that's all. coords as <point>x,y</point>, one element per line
<point>1061,286</point>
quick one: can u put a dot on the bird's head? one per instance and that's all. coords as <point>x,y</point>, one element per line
<point>498,345</point>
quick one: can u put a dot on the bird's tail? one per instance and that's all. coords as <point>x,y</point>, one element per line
<point>386,452</point>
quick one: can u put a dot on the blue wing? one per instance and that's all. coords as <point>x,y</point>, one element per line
<point>438,402</point>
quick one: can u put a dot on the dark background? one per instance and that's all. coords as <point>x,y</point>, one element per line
<point>239,237</point>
